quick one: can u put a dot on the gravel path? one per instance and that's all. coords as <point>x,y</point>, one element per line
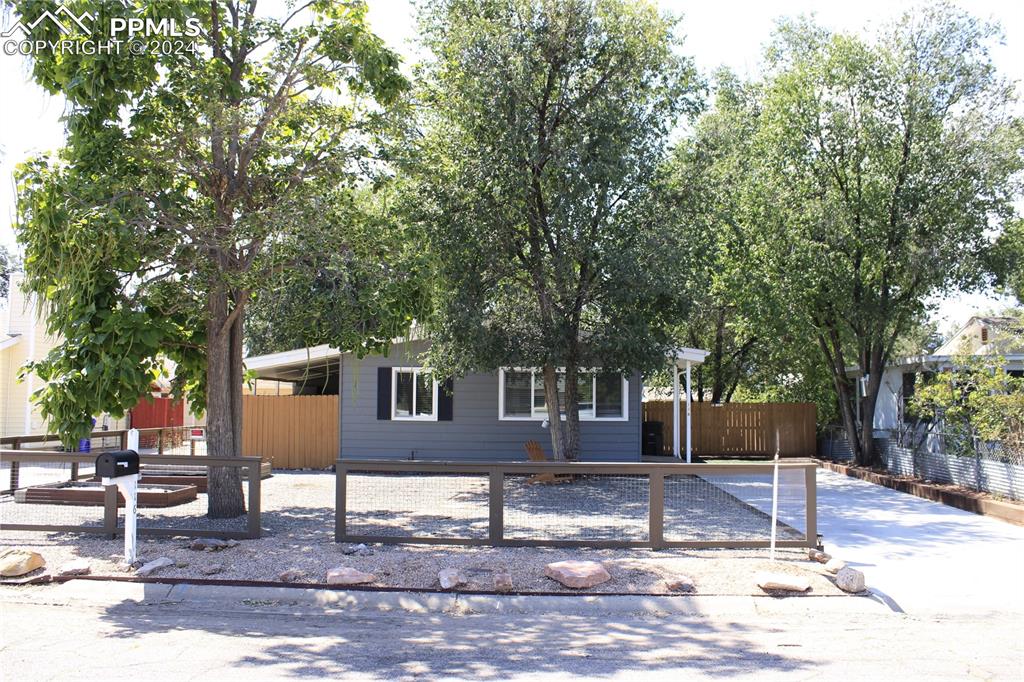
<point>298,522</point>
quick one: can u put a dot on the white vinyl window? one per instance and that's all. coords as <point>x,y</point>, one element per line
<point>413,394</point>
<point>602,395</point>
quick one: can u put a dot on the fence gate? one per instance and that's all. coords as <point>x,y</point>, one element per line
<point>291,431</point>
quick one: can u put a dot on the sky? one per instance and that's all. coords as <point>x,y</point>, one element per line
<point>717,33</point>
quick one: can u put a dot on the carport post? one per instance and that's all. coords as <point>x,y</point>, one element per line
<point>675,409</point>
<point>688,418</point>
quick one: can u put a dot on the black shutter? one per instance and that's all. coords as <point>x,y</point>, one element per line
<point>383,393</point>
<point>445,400</point>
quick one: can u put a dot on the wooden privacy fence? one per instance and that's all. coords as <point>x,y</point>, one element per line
<point>740,428</point>
<point>291,431</point>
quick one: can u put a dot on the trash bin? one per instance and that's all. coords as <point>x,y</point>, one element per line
<point>653,439</point>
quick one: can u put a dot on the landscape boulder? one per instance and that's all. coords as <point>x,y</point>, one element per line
<point>153,566</point>
<point>577,574</point>
<point>209,544</point>
<point>212,569</point>
<point>450,577</point>
<point>346,575</point>
<point>850,580</point>
<point>835,565</point>
<point>292,575</point>
<point>819,556</point>
<point>357,550</point>
<point>681,583</point>
<point>75,567</point>
<point>782,582</point>
<point>15,562</point>
<point>502,581</point>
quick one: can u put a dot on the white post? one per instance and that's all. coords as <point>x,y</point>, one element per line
<point>775,496</point>
<point>129,487</point>
<point>675,410</point>
<point>688,418</point>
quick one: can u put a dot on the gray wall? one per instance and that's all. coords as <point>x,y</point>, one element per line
<point>475,432</point>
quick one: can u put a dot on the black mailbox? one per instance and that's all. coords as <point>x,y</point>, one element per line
<point>118,463</point>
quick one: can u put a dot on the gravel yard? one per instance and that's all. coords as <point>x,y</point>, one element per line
<point>298,522</point>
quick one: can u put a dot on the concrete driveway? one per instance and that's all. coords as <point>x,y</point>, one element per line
<point>923,557</point>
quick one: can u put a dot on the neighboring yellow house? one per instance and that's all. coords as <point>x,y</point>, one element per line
<point>23,338</point>
<point>986,335</point>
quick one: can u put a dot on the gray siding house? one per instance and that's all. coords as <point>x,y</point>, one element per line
<point>390,409</point>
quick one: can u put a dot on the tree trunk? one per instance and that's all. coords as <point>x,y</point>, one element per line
<point>868,455</point>
<point>847,401</point>
<point>572,412</point>
<point>717,359</point>
<point>223,405</point>
<point>554,412</point>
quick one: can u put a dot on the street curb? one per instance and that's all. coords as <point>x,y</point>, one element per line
<point>220,597</point>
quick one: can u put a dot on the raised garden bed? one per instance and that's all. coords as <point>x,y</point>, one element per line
<point>87,493</point>
<point>184,475</point>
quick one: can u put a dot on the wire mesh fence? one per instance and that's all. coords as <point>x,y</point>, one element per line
<point>612,505</point>
<point>51,493</point>
<point>585,507</point>
<point>729,507</point>
<point>56,491</point>
<point>428,505</point>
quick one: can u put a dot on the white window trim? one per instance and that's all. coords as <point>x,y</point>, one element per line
<point>416,371</point>
<point>542,417</point>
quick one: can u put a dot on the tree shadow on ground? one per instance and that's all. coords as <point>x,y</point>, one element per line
<point>296,641</point>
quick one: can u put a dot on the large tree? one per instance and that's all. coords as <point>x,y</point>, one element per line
<point>191,182</point>
<point>7,265</point>
<point>755,350</point>
<point>546,124</point>
<point>880,166</point>
<point>697,193</point>
<point>1006,260</point>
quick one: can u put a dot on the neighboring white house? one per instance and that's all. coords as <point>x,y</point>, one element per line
<point>981,335</point>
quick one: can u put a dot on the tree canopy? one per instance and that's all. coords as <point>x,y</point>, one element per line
<point>1007,260</point>
<point>545,125</point>
<point>879,167</point>
<point>193,182</point>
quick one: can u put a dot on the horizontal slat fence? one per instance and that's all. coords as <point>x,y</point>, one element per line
<point>738,429</point>
<point>291,431</point>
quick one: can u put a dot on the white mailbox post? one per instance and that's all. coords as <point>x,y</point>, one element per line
<point>121,468</point>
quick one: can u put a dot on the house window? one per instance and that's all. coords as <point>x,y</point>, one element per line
<point>414,394</point>
<point>602,395</point>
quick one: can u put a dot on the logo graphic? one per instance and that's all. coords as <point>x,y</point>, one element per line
<point>128,34</point>
<point>70,17</point>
